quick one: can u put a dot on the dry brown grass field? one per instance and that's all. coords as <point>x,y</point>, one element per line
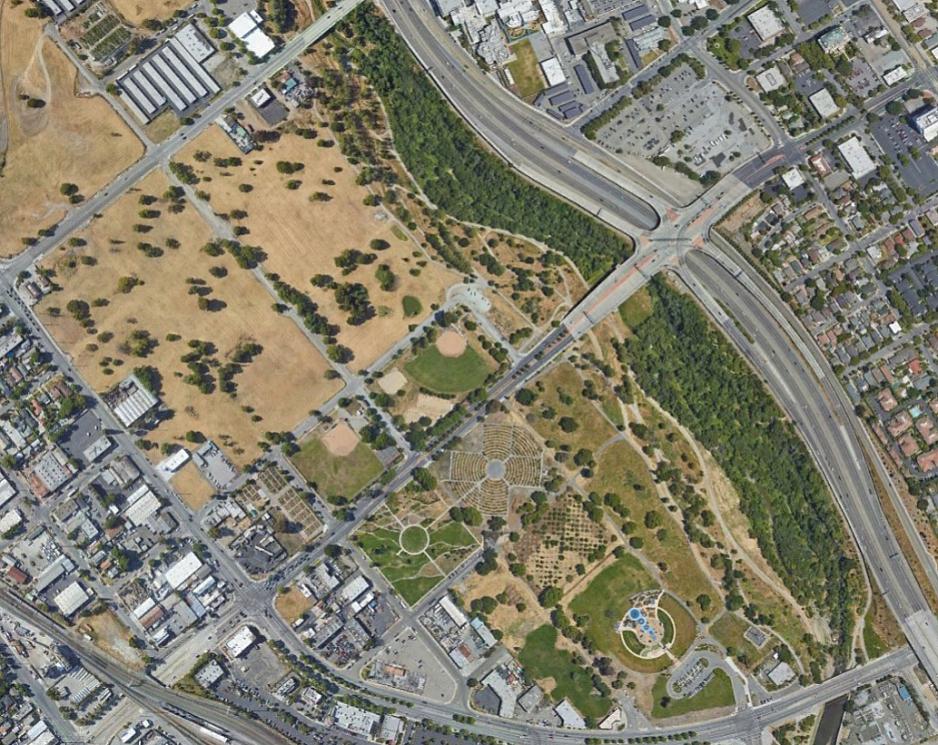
<point>137,11</point>
<point>280,385</point>
<point>191,487</point>
<point>75,138</point>
<point>302,237</point>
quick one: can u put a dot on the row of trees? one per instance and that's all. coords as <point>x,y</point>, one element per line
<point>695,374</point>
<point>455,171</point>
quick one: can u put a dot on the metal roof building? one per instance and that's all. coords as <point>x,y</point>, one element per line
<point>71,599</point>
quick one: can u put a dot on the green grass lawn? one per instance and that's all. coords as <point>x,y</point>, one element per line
<point>414,539</point>
<point>462,374</point>
<point>875,646</point>
<point>541,659</point>
<point>412,306</point>
<point>605,601</point>
<point>337,476</point>
<point>717,693</point>
<point>685,627</point>
<point>525,70</point>
<point>636,309</point>
<point>728,629</point>
<point>411,575</point>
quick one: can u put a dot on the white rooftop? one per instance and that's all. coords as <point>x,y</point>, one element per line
<point>858,159</point>
<point>247,28</point>
<point>823,103</point>
<point>770,79</point>
<point>179,572</point>
<point>238,644</point>
<point>765,22</point>
<point>793,178</point>
<point>71,599</point>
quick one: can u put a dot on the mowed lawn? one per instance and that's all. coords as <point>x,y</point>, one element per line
<point>605,601</point>
<point>525,70</point>
<point>716,694</point>
<point>411,575</point>
<point>541,660</point>
<point>337,476</point>
<point>440,374</point>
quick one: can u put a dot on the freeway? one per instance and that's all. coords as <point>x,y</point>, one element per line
<point>528,140</point>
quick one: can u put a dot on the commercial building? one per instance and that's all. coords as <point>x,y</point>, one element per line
<point>553,72</point>
<point>926,123</point>
<point>824,104</point>
<point>858,159</point>
<point>770,79</point>
<point>834,41</point>
<point>247,28</point>
<point>793,178</point>
<point>177,575</point>
<point>357,721</point>
<point>896,74</point>
<point>241,642</point>
<point>569,717</point>
<point>765,23</point>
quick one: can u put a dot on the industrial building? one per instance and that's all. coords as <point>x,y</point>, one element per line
<point>241,642</point>
<point>171,76</point>
<point>59,9</point>
<point>130,400</point>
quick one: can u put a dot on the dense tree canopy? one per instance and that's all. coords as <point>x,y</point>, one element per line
<point>455,171</point>
<point>697,375</point>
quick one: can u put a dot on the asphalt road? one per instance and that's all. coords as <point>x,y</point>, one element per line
<point>824,426</point>
<point>524,137</point>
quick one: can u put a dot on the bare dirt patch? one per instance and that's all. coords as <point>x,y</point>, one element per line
<point>340,440</point>
<point>74,138</point>
<point>137,11</point>
<point>111,636</point>
<point>451,343</point>
<point>273,390</point>
<point>191,487</point>
<point>303,235</point>
<point>292,604</point>
<point>391,382</point>
<point>430,406</point>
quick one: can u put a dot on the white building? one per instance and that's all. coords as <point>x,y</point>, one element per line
<point>765,23</point>
<point>247,28</point>
<point>926,123</point>
<point>858,160</point>
<point>569,717</point>
<point>893,76</point>
<point>177,575</point>
<point>10,520</point>
<point>553,72</point>
<point>355,720</point>
<point>770,79</point>
<point>824,104</point>
<point>793,178</point>
<point>241,642</point>
<point>141,506</point>
<point>71,599</point>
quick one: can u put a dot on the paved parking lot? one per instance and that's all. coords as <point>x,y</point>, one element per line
<point>899,141</point>
<point>686,119</point>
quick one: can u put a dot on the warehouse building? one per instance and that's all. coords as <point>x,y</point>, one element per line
<point>173,76</point>
<point>70,600</point>
<point>60,9</point>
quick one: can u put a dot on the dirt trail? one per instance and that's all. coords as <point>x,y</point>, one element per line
<point>746,548</point>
